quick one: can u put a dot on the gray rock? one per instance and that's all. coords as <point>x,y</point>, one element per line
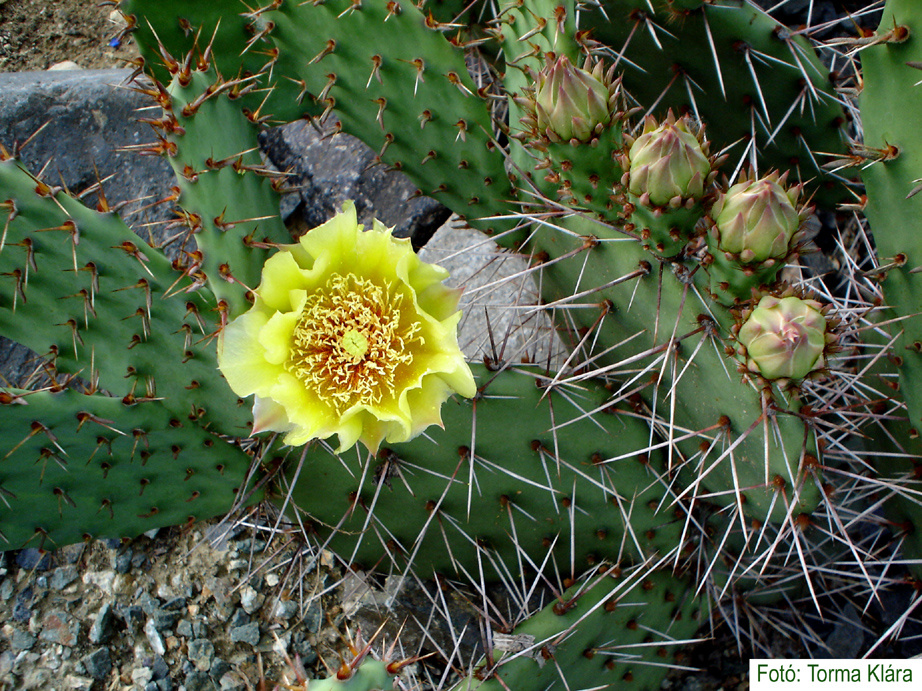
<point>133,617</point>
<point>240,618</point>
<point>198,681</point>
<point>251,600</point>
<point>154,638</point>
<point>7,588</point>
<point>60,627</point>
<point>62,577</point>
<point>21,640</point>
<point>201,654</point>
<point>30,558</point>
<point>98,664</point>
<point>102,626</point>
<point>177,603</point>
<point>184,628</point>
<point>246,634</point>
<point>123,560</point>
<point>328,170</point>
<point>164,619</point>
<point>160,668</point>
<point>148,603</point>
<point>493,285</point>
<point>285,609</point>
<point>218,668</point>
<point>313,618</point>
<point>231,681</point>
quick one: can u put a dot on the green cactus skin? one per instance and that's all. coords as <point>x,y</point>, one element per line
<point>611,631</point>
<point>403,89</point>
<point>76,466</point>
<point>371,675</point>
<point>574,486</point>
<point>890,105</point>
<point>728,99</point>
<point>80,288</point>
<point>215,155</point>
<point>616,276</point>
<point>225,27</point>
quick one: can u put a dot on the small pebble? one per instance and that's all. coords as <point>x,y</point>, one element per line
<point>60,627</point>
<point>21,640</point>
<point>102,626</point>
<point>160,668</point>
<point>251,600</point>
<point>98,664</point>
<point>240,618</point>
<point>246,634</point>
<point>133,617</point>
<point>201,654</point>
<point>33,559</point>
<point>153,637</point>
<point>164,620</point>
<point>218,668</point>
<point>62,577</point>
<point>285,609</point>
<point>141,677</point>
<point>123,560</point>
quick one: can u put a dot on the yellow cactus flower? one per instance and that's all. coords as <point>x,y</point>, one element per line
<point>350,334</point>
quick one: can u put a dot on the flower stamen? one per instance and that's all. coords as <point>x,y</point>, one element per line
<point>351,342</point>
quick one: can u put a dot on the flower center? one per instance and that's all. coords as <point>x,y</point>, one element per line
<point>350,342</point>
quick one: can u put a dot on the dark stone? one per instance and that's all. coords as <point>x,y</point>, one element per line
<point>21,611</point>
<point>328,170</point>
<point>98,664</point>
<point>31,558</point>
<point>62,577</point>
<point>306,652</point>
<point>240,618</point>
<point>165,620</point>
<point>60,627</point>
<point>313,617</point>
<point>21,640</point>
<point>133,616</point>
<point>148,603</point>
<point>102,626</point>
<point>249,545</point>
<point>198,681</point>
<point>184,628</point>
<point>246,634</point>
<point>123,560</point>
<point>177,603</point>
<point>201,653</point>
<point>160,668</point>
<point>139,560</point>
<point>218,669</point>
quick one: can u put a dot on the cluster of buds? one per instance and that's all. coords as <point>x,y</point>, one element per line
<point>785,338</point>
<point>570,104</point>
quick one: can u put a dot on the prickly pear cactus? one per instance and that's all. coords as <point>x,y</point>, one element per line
<point>695,452</point>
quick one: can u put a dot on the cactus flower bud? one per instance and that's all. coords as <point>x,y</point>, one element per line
<point>571,103</point>
<point>784,337</point>
<point>667,162</point>
<point>350,334</point>
<point>756,220</point>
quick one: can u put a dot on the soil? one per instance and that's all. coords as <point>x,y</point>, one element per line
<point>36,34</point>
